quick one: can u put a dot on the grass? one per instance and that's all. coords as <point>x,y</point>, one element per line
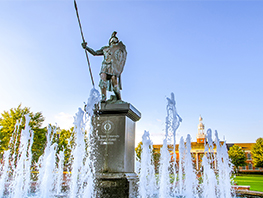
<point>254,181</point>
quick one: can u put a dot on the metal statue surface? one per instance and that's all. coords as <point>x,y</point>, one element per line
<point>112,65</point>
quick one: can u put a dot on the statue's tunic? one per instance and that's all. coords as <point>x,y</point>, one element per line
<point>107,66</point>
<point>113,63</point>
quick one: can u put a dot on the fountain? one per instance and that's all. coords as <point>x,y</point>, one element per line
<point>147,178</point>
<point>216,172</point>
<point>102,158</point>
<point>91,174</point>
<point>17,179</point>
<point>102,153</point>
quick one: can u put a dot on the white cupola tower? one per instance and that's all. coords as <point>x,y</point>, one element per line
<point>201,131</point>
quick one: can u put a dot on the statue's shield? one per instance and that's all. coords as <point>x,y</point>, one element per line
<point>118,57</point>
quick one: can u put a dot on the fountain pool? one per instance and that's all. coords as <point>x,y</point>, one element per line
<point>53,179</point>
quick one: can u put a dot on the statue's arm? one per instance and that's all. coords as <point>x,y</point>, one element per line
<point>93,52</point>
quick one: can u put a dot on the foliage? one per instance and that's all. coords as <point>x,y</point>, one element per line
<point>257,153</point>
<point>39,143</point>
<point>237,156</point>
<point>156,160</point>
<point>8,123</point>
<point>155,154</point>
<point>138,151</point>
<point>65,142</point>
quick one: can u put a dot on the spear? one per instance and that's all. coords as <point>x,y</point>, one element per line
<point>76,8</point>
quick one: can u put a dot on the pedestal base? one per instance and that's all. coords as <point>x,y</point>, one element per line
<point>114,129</point>
<point>114,126</point>
<point>117,185</point>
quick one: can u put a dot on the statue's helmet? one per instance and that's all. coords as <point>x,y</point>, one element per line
<point>113,38</point>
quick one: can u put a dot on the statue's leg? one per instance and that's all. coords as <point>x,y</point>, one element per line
<point>103,86</point>
<point>116,88</point>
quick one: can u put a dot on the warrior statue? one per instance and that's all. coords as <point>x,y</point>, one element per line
<point>112,65</point>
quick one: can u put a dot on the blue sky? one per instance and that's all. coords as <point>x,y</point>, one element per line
<point>209,53</point>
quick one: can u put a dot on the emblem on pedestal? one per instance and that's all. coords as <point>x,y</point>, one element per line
<point>107,126</point>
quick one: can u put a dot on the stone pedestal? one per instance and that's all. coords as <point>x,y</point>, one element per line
<point>117,185</point>
<point>115,132</point>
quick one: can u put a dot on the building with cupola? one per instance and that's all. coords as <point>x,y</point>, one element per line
<point>200,137</point>
<point>198,148</point>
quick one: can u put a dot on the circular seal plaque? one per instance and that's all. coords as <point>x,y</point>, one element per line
<point>107,126</point>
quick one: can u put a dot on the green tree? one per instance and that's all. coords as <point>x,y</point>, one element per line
<point>156,160</point>
<point>65,143</point>
<point>138,151</point>
<point>155,154</point>
<point>257,153</point>
<point>8,122</point>
<point>39,143</point>
<point>237,156</point>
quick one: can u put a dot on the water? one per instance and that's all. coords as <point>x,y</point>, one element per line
<point>215,178</point>
<point>16,178</point>
<point>147,176</point>
<point>216,181</point>
<point>16,166</point>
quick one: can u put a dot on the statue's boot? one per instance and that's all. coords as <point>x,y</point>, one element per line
<point>117,92</point>
<point>103,88</point>
<point>103,98</point>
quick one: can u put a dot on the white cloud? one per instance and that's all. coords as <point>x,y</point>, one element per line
<point>64,120</point>
<point>157,139</point>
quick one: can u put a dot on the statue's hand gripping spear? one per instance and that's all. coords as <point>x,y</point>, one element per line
<point>76,8</point>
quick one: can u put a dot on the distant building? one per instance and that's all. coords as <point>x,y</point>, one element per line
<point>198,147</point>
<point>247,147</point>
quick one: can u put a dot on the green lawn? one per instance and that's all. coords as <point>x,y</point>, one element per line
<point>254,181</point>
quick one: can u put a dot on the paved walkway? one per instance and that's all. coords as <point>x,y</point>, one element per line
<point>249,192</point>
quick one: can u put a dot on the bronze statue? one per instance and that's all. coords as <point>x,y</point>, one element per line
<point>112,65</point>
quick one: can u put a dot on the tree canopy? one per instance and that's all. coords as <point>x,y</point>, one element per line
<point>65,142</point>
<point>155,154</point>
<point>138,151</point>
<point>8,123</point>
<point>257,153</point>
<point>237,156</point>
